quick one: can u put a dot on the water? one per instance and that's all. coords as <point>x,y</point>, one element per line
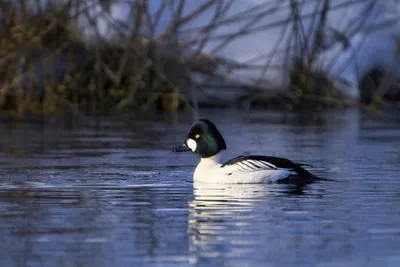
<point>110,193</point>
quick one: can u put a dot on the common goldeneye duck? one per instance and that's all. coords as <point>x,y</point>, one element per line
<point>206,141</point>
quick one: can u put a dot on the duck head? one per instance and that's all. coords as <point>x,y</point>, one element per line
<point>203,139</point>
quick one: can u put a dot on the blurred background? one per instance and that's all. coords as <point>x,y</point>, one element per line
<point>101,56</point>
<point>94,95</point>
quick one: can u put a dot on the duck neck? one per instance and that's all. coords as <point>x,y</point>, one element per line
<point>213,160</point>
<point>206,165</point>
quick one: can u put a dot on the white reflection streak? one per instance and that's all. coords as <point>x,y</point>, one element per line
<point>214,212</point>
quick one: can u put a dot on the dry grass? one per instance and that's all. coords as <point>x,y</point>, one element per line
<point>49,65</point>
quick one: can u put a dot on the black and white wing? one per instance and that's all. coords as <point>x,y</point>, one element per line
<point>261,163</point>
<point>250,164</point>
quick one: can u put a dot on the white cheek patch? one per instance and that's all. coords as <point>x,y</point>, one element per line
<point>191,144</point>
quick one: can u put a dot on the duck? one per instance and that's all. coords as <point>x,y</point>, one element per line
<point>206,141</point>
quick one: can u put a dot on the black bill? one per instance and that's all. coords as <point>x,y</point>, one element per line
<point>182,148</point>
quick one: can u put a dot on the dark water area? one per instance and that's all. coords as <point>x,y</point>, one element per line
<point>109,192</point>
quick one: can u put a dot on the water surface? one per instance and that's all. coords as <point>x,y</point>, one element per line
<point>109,192</point>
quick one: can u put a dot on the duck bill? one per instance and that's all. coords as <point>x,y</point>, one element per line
<point>182,148</point>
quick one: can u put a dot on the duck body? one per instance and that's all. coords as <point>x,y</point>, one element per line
<point>206,141</point>
<point>251,169</point>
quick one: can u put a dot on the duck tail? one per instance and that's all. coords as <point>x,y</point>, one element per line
<point>305,173</point>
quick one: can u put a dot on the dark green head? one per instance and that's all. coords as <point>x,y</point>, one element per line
<point>203,139</point>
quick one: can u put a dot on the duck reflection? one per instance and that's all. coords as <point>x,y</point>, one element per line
<point>221,217</point>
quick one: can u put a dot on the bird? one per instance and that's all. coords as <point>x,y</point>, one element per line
<point>206,141</point>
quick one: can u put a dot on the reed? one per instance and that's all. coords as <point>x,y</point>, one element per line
<point>49,63</point>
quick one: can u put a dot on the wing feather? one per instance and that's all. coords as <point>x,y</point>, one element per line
<point>257,163</point>
<point>253,163</point>
<point>277,169</point>
<point>248,164</point>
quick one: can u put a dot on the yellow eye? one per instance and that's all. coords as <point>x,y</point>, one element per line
<point>197,136</point>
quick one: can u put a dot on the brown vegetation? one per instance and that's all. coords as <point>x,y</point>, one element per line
<point>48,64</point>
